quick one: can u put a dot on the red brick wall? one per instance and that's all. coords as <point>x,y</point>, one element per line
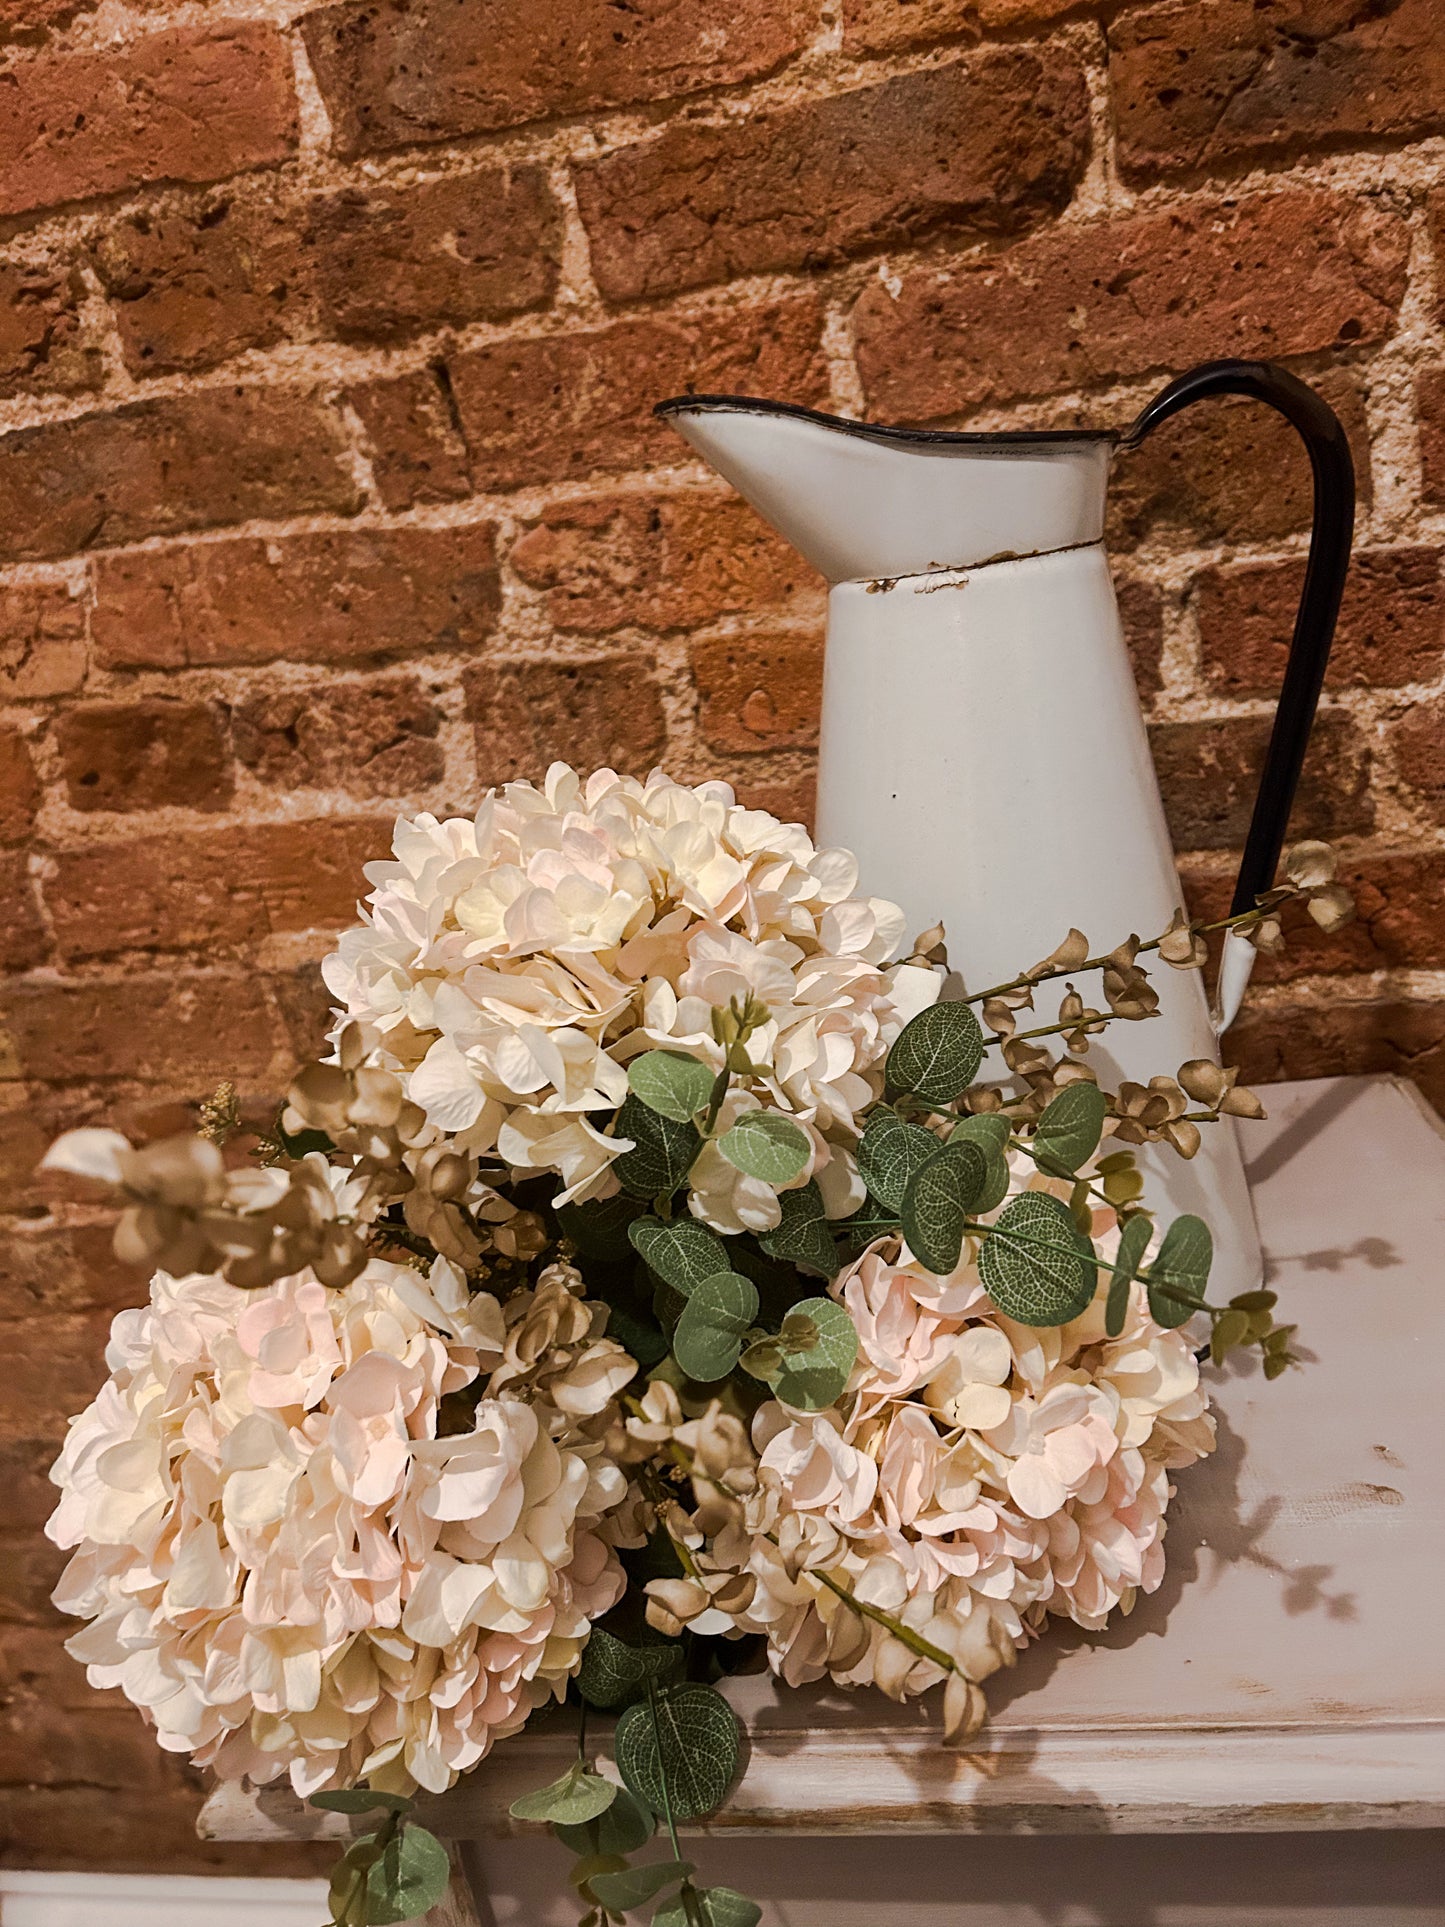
<point>328,485</point>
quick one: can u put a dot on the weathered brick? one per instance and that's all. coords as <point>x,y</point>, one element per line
<point>29,1569</point>
<point>29,1497</point>
<point>162,466</point>
<point>1392,625</point>
<point>529,714</point>
<point>559,407</point>
<point>418,452</point>
<point>876,26</point>
<point>145,755</point>
<point>1234,471</point>
<point>49,1268</point>
<point>185,892</point>
<point>55,1730</point>
<point>23,940</point>
<point>985,145</point>
<point>428,70</point>
<point>19,787</point>
<point>194,104</point>
<point>759,692</point>
<point>23,20</point>
<point>791,799</point>
<point>1430,408</point>
<point>1212,83</point>
<point>42,641</point>
<point>1141,614</point>
<point>669,562</point>
<point>328,597</point>
<point>1343,1037</point>
<point>374,737</point>
<point>471,247</point>
<point>305,1007</point>
<point>1280,274</point>
<point>60,1360</point>
<point>1418,735</point>
<point>1209,775</point>
<point>187,1026</point>
<point>102,1827</point>
<point>43,348</point>
<point>195,282</point>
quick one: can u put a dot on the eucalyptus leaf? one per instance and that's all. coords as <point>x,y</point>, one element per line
<point>682,1252</point>
<point>577,1797</point>
<point>634,1887</point>
<point>873,1221</point>
<point>671,1083</point>
<point>599,1229</point>
<point>811,1379</point>
<point>890,1152</point>
<point>662,1151</point>
<point>361,1799</point>
<point>612,1672</point>
<point>1183,1262</point>
<point>709,1334</point>
<point>1036,1264</point>
<point>1133,1243</point>
<point>937,1053</point>
<point>768,1146</point>
<point>626,1825</point>
<point>939,1201</point>
<point>1069,1129</point>
<point>687,1736</point>
<point>803,1235</point>
<point>716,1907</point>
<point>410,1877</point>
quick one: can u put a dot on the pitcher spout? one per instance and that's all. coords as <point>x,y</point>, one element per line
<point>863,503</point>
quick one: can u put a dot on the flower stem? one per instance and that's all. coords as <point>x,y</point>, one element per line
<point>1028,979</point>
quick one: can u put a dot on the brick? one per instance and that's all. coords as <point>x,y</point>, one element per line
<point>985,145</point>
<point>29,1569</point>
<point>194,104</point>
<point>42,641</point>
<point>195,282</point>
<point>791,799</point>
<point>305,1006</point>
<point>29,1502</point>
<point>23,20</point>
<point>48,1268</point>
<point>238,885</point>
<point>163,466</point>
<point>1343,1038</point>
<point>1141,613</point>
<point>560,407</point>
<point>1418,736</point>
<point>60,1361</point>
<point>1206,84</point>
<point>190,1027</point>
<point>666,562</point>
<point>145,756</point>
<point>376,737</point>
<point>409,71</point>
<point>335,596</point>
<point>23,940</point>
<point>19,787</point>
<point>472,247</point>
<point>877,26</point>
<point>759,693</point>
<point>418,452</point>
<point>602,713</point>
<point>1209,775</point>
<point>1392,625</point>
<point>1280,274</point>
<point>1231,471</point>
<point>100,1827</point>
<point>43,349</point>
<point>1430,408</point>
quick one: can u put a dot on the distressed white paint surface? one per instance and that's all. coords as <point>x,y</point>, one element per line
<point>157,1900</point>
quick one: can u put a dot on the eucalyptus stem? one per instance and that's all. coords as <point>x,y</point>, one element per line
<point>688,1898</point>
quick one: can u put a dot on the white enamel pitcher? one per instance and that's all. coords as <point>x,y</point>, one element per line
<point>982,746</point>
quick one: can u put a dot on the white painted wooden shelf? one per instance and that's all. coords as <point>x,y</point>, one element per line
<point>1300,1690</point>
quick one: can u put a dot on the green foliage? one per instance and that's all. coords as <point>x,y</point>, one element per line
<point>671,1083</point>
<point>410,1876</point>
<point>635,1886</point>
<point>626,1825</point>
<point>361,1799</point>
<point>682,1253</point>
<point>937,1053</point>
<point>614,1674</point>
<point>1036,1264</point>
<point>1133,1243</point>
<point>686,1737</point>
<point>768,1146</point>
<point>577,1797</point>
<point>713,1906</point>
<point>599,1230</point>
<point>1182,1268</point>
<point>803,1236</point>
<point>890,1153</point>
<point>812,1376</point>
<point>1069,1130</point>
<point>662,1151</point>
<point>991,1133</point>
<point>709,1334</point>
<point>939,1201</point>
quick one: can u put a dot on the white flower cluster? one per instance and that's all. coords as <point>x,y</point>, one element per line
<point>511,965</point>
<point>293,1562</point>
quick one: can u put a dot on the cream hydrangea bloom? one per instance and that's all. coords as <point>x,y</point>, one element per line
<point>510,965</point>
<point>293,1562</point>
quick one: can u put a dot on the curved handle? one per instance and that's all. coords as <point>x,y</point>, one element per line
<point>1314,631</point>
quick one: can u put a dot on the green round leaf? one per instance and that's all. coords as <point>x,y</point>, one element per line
<point>768,1146</point>
<point>410,1877</point>
<point>803,1235</point>
<point>1069,1130</point>
<point>890,1152</point>
<point>693,1741</point>
<point>1183,1261</point>
<point>612,1672</point>
<point>809,1380</point>
<point>716,1907</point>
<point>1036,1265</point>
<point>1133,1243</point>
<point>939,1201</point>
<point>682,1252</point>
<point>991,1133</point>
<point>662,1151</point>
<point>709,1334</point>
<point>620,1892</point>
<point>623,1828</point>
<point>873,1221</point>
<point>671,1083</point>
<point>360,1799</point>
<point>937,1053</point>
<point>578,1796</point>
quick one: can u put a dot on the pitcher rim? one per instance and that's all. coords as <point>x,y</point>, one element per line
<point>881,432</point>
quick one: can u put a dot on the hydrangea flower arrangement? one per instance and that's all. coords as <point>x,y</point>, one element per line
<point>656,1270</point>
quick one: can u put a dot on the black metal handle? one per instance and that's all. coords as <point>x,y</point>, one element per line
<point>1329,561</point>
